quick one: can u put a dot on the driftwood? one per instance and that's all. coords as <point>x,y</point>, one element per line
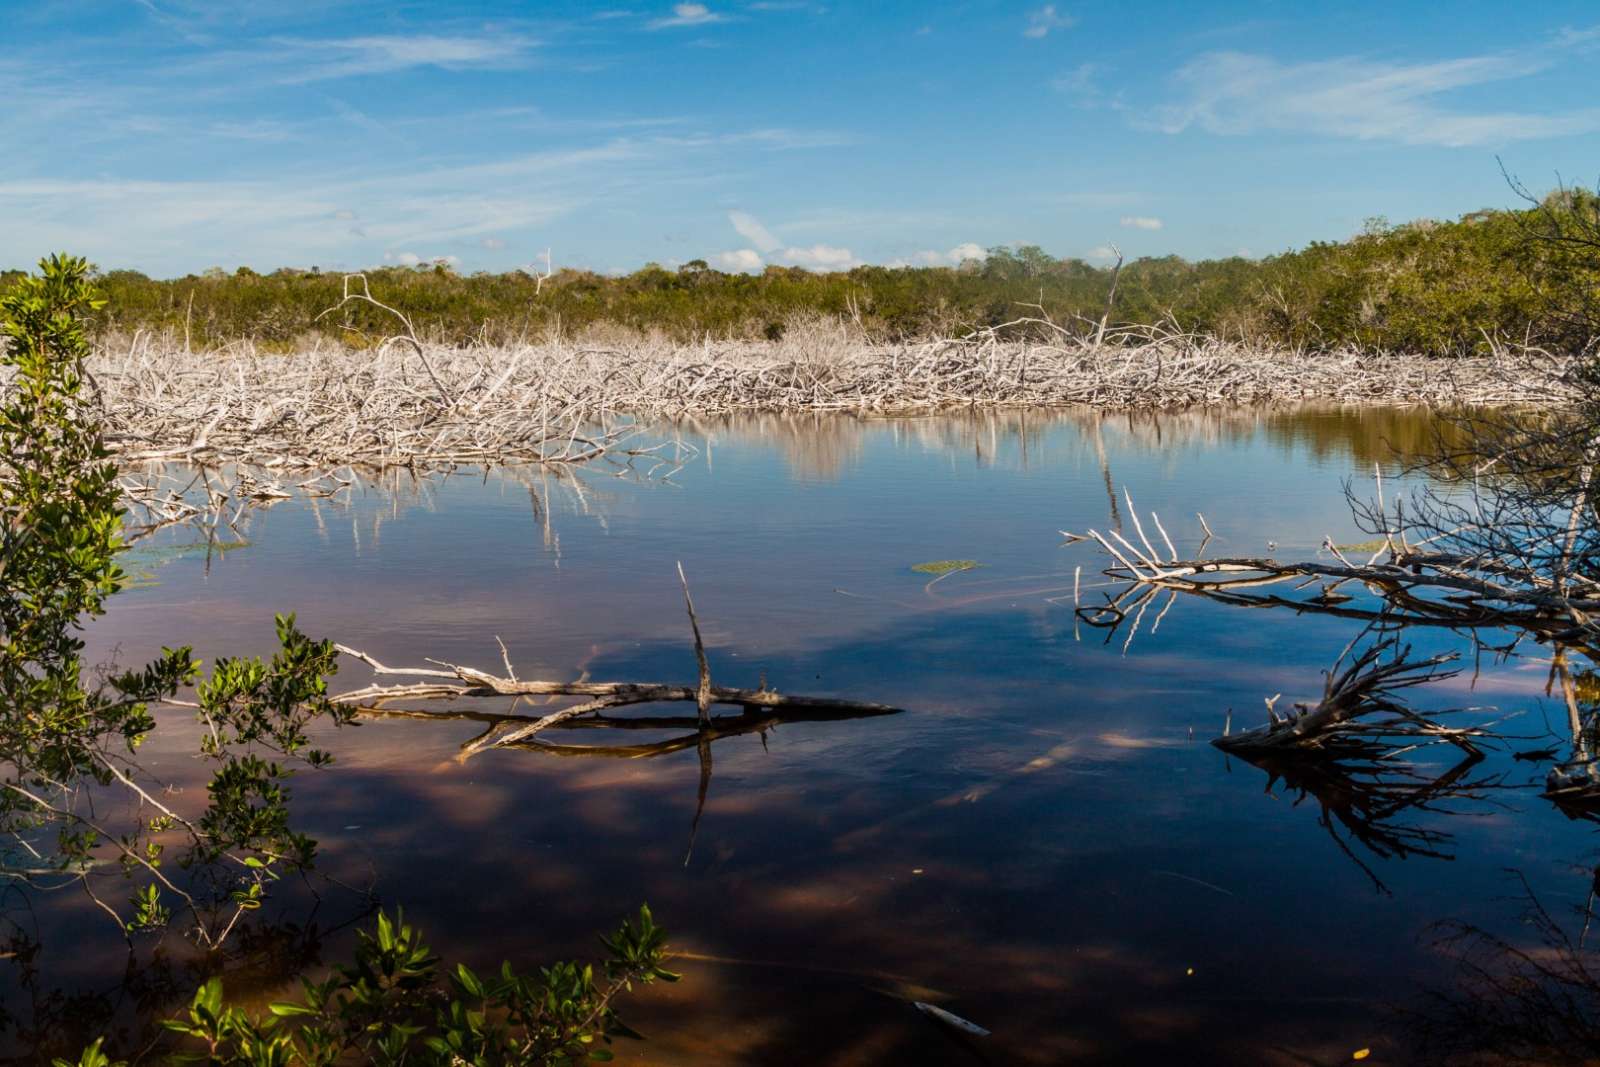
<point>1417,588</point>
<point>689,730</point>
<point>1358,703</point>
<point>455,682</point>
<point>599,696</point>
<point>1415,583</point>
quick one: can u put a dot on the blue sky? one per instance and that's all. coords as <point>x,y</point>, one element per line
<point>173,135</point>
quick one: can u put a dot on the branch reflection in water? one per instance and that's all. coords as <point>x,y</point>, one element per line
<point>700,736</point>
<point>1531,998</point>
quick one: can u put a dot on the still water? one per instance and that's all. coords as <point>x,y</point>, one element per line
<point>1043,842</point>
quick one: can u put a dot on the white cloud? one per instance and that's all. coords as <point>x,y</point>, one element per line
<point>1240,93</point>
<point>411,259</point>
<point>687,15</point>
<point>1045,19</point>
<point>751,230</point>
<point>953,258</point>
<point>274,221</point>
<point>1104,253</point>
<point>819,257</point>
<point>492,243</point>
<point>743,259</point>
<point>1142,222</point>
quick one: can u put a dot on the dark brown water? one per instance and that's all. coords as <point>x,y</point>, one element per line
<point>1043,842</point>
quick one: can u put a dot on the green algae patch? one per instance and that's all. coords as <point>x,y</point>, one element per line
<point>946,566</point>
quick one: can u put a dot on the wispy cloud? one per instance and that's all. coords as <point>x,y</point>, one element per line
<point>1241,93</point>
<point>1083,86</point>
<point>952,258</point>
<point>687,15</point>
<point>776,139</point>
<point>751,230</point>
<point>301,216</point>
<point>768,248</point>
<point>1126,198</point>
<point>319,60</point>
<point>182,26</point>
<point>1042,21</point>
<point>151,224</point>
<point>1142,222</point>
<point>263,130</point>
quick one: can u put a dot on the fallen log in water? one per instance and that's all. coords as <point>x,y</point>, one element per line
<point>455,681</point>
<point>1358,704</point>
<point>751,720</point>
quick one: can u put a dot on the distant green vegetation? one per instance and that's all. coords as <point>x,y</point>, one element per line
<point>1430,287</point>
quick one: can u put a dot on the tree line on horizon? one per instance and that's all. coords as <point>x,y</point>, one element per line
<point>1442,288</point>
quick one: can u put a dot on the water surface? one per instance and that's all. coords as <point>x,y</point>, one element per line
<point>1043,842</point>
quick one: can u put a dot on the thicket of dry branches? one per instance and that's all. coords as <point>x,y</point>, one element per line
<point>570,402</point>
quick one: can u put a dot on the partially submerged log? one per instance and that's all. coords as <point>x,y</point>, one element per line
<point>1359,704</point>
<point>455,681</point>
<point>688,729</point>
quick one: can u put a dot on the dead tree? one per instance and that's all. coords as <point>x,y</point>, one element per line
<point>1359,703</point>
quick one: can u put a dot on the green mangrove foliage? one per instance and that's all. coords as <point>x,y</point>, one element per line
<point>393,1005</point>
<point>1432,287</point>
<point>66,740</point>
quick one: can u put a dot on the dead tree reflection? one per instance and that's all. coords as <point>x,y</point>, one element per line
<point>1530,1000</point>
<point>689,733</point>
<point>218,502</point>
<point>1372,801</point>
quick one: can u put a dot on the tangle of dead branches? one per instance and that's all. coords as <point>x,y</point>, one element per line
<point>1360,703</point>
<point>405,401</point>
